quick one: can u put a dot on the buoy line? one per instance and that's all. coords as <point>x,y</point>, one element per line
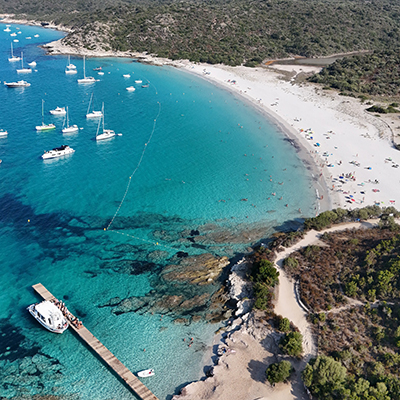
<point>135,170</point>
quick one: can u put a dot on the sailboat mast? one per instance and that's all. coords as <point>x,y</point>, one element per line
<point>84,69</point>
<point>102,111</point>
<point>42,112</point>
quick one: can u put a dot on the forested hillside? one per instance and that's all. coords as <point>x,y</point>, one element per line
<point>231,32</point>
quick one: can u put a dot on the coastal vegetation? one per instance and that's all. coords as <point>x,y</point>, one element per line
<point>264,276</point>
<point>230,32</point>
<point>279,372</point>
<point>371,74</point>
<point>351,284</point>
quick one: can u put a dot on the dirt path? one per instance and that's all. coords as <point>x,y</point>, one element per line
<point>287,304</point>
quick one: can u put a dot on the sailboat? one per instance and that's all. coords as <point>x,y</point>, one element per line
<point>68,128</point>
<point>13,58</point>
<point>93,114</point>
<point>107,133</point>
<point>71,68</point>
<point>44,127</point>
<point>86,79</point>
<point>23,70</point>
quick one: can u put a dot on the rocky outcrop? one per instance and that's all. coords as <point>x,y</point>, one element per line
<point>203,269</point>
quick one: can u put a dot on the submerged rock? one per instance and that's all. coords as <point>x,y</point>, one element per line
<point>201,270</point>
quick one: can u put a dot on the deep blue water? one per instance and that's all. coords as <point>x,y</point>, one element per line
<point>190,153</point>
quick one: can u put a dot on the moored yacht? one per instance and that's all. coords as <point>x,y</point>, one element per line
<point>86,79</point>
<point>58,111</point>
<point>13,58</point>
<point>106,133</point>
<point>93,113</point>
<point>48,315</point>
<point>61,151</point>
<point>17,84</point>
<point>3,133</point>
<point>23,70</point>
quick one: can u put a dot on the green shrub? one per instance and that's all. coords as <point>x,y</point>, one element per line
<point>279,372</point>
<point>292,344</point>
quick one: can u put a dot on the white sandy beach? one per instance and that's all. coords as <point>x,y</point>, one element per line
<point>343,139</point>
<point>355,165</point>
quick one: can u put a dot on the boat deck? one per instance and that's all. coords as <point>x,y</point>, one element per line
<point>123,372</point>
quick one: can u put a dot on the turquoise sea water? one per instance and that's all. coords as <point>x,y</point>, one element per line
<point>188,156</point>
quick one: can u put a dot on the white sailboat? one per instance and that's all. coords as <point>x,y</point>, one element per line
<point>68,128</point>
<point>93,114</point>
<point>107,133</point>
<point>86,79</point>
<point>7,28</point>
<point>13,58</point>
<point>44,127</point>
<point>32,64</point>
<point>23,70</point>
<point>70,68</point>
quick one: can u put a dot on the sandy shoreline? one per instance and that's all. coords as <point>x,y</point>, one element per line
<point>354,164</point>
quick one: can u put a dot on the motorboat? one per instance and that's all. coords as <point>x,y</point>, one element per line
<point>7,28</point>
<point>86,79</point>
<point>145,86</point>
<point>19,84</point>
<point>100,73</point>
<point>13,34</point>
<point>97,69</point>
<point>61,151</point>
<point>23,70</point>
<point>13,58</point>
<point>106,133</point>
<point>58,111</point>
<point>16,40</point>
<point>130,89</point>
<point>69,128</point>
<point>49,316</point>
<point>93,114</point>
<point>126,76</point>
<point>37,35</point>
<point>3,133</point>
<point>44,127</point>
<point>139,81</point>
<point>32,64</point>
<point>28,37</point>
<point>145,373</point>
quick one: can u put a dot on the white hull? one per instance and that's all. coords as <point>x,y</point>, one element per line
<point>14,58</point>
<point>138,81</point>
<point>58,152</point>
<point>130,89</point>
<point>53,321</point>
<point>58,111</point>
<point>87,81</point>
<point>71,71</point>
<point>32,64</point>
<point>107,134</point>
<point>71,129</point>
<point>45,127</point>
<point>146,373</point>
<point>94,114</point>
<point>18,84</point>
<point>3,133</point>
<point>24,71</point>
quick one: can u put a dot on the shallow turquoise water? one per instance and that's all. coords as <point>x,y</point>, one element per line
<point>205,151</point>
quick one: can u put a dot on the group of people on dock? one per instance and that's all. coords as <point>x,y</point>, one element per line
<point>70,317</point>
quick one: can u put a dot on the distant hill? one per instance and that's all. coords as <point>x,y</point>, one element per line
<point>230,32</point>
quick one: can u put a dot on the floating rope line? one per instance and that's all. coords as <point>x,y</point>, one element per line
<point>134,171</point>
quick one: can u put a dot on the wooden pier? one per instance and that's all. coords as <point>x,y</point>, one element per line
<point>130,380</point>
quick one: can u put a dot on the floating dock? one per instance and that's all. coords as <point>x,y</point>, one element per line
<point>130,380</point>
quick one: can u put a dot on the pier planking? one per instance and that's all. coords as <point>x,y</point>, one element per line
<point>125,374</point>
